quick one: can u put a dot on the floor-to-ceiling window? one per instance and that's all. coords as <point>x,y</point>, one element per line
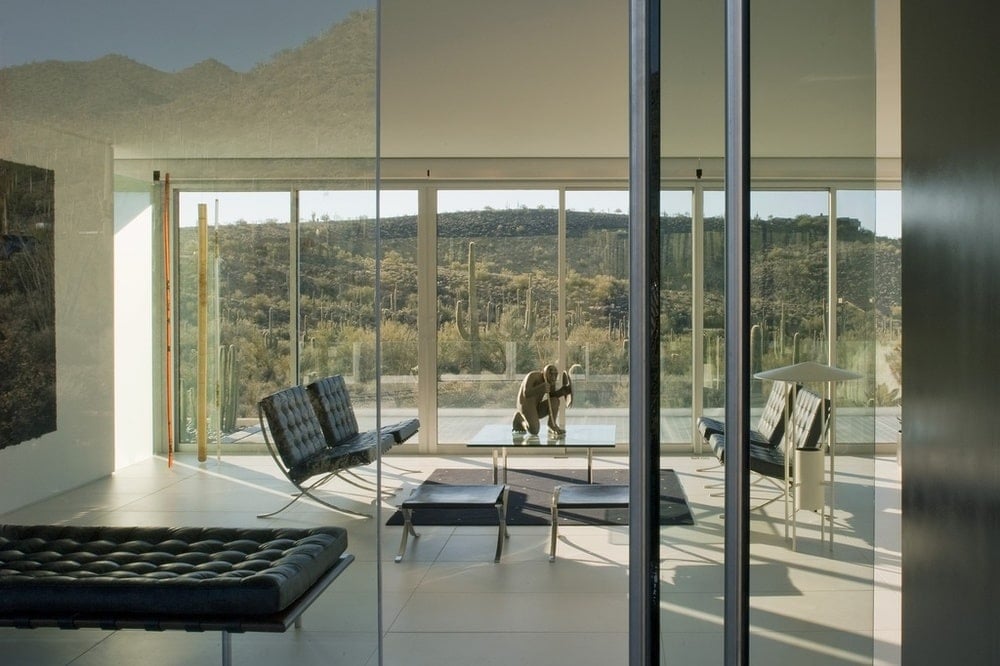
<point>336,278</point>
<point>497,262</point>
<point>676,315</point>
<point>233,272</point>
<point>292,283</point>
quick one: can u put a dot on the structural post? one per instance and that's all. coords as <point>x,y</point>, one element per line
<point>737,481</point>
<point>644,333</point>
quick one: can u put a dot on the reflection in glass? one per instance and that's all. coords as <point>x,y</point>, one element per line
<point>228,102</point>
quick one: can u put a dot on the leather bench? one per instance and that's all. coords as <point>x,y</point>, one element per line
<point>165,578</point>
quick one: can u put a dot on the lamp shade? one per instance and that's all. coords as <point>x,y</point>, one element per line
<point>808,371</point>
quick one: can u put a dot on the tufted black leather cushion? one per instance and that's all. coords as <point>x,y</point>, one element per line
<point>332,403</point>
<point>293,425</point>
<point>357,450</point>
<point>770,424</point>
<point>403,430</point>
<point>805,432</point>
<point>182,571</point>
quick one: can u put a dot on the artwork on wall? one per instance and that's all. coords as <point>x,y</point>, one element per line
<point>27,303</point>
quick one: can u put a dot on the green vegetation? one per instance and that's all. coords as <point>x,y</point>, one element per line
<point>27,303</point>
<point>497,295</point>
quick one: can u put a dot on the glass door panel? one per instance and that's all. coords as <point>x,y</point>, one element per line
<point>713,310</point>
<point>248,303</point>
<point>597,302</point>
<point>675,316</point>
<point>337,291</point>
<point>497,288</point>
<point>789,289</point>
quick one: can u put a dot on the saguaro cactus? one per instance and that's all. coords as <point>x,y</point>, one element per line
<point>229,393</point>
<point>529,313</point>
<point>470,330</point>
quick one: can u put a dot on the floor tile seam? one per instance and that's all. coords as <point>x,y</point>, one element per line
<point>387,622</point>
<point>767,632</point>
<point>868,592</point>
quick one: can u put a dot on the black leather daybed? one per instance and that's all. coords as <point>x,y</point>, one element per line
<point>165,578</point>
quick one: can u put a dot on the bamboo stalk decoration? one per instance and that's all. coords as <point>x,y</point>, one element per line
<point>202,410</point>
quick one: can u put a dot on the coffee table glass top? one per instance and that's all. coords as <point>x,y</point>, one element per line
<point>497,435</point>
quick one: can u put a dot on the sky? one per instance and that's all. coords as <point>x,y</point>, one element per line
<point>169,36</point>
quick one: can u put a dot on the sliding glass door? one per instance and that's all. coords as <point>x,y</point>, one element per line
<point>497,291</point>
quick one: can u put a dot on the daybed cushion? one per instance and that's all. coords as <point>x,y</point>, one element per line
<point>195,571</point>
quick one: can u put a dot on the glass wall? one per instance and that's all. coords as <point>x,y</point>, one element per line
<point>714,286</point>
<point>155,113</point>
<point>520,163</point>
<point>812,539</point>
<point>676,317</point>
<point>789,284</point>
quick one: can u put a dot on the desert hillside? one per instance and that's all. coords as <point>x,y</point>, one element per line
<point>317,99</point>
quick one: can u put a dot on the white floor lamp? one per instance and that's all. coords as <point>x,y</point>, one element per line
<point>812,372</point>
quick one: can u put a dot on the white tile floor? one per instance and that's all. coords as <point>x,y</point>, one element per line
<point>447,603</point>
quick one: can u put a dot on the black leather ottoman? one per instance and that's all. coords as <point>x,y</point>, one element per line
<point>432,496</point>
<point>584,496</point>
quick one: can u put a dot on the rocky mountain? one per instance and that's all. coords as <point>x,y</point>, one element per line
<point>317,99</point>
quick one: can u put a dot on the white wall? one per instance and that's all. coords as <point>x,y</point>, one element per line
<point>82,447</point>
<point>134,350</point>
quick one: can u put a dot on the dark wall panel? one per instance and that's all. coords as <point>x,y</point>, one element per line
<point>951,359</point>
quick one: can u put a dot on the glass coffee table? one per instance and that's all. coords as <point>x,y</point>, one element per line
<point>499,437</point>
